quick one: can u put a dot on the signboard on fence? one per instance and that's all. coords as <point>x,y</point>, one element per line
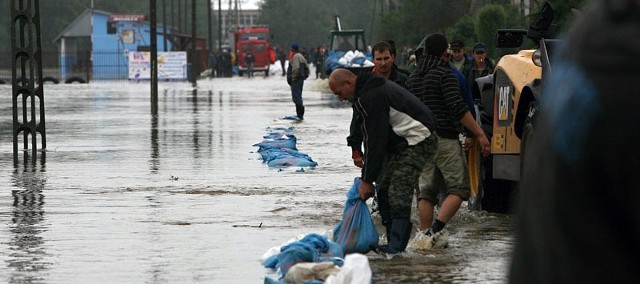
<point>171,65</point>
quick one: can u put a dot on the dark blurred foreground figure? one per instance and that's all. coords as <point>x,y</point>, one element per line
<point>579,220</point>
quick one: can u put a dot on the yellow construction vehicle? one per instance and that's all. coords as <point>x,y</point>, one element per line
<point>508,102</point>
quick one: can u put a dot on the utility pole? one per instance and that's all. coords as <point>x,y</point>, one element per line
<point>173,16</point>
<point>179,20</point>
<point>164,26</point>
<point>194,51</point>
<point>210,30</point>
<point>154,58</point>
<point>28,91</point>
<point>219,24</point>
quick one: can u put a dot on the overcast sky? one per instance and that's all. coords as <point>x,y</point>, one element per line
<point>244,4</point>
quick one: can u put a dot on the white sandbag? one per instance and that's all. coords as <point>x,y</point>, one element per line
<point>356,270</point>
<point>308,271</point>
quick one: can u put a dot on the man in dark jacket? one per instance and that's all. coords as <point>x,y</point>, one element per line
<point>383,60</point>
<point>438,88</point>
<point>396,125</point>
<point>480,66</point>
<point>578,221</point>
<point>249,59</point>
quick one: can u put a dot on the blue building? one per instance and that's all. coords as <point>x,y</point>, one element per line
<point>96,45</point>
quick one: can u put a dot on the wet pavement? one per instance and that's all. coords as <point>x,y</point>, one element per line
<point>183,197</point>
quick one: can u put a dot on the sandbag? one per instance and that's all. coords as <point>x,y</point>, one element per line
<point>356,270</point>
<point>356,232</point>
<point>311,248</point>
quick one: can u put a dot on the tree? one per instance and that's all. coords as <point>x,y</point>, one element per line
<point>418,18</point>
<point>465,30</point>
<point>490,18</point>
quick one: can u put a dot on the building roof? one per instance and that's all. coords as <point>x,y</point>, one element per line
<point>81,26</point>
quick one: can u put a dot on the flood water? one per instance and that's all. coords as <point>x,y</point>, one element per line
<point>183,197</point>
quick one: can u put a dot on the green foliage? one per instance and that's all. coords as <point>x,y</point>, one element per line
<point>465,30</point>
<point>490,19</point>
<point>290,21</point>
<point>418,18</point>
<point>309,21</point>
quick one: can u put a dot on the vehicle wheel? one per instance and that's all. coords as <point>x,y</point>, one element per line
<point>75,80</point>
<point>497,195</point>
<point>50,79</point>
<point>492,195</point>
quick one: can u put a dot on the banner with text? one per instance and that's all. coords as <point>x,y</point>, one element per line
<point>172,65</point>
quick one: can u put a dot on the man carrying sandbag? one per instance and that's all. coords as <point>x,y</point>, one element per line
<point>397,125</point>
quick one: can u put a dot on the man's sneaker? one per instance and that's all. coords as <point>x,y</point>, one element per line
<point>439,239</point>
<point>426,240</point>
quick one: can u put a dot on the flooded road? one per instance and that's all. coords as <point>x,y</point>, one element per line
<point>183,197</point>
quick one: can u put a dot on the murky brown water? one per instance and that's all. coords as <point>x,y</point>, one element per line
<point>124,197</point>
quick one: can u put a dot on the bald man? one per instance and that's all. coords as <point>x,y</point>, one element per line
<point>396,124</point>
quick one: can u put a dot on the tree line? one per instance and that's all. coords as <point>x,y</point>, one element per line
<point>407,22</point>
<point>308,22</point>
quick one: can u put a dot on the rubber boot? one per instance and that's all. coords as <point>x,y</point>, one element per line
<point>300,112</point>
<point>398,238</point>
<point>387,227</point>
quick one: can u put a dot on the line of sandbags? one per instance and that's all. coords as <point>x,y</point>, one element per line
<point>278,149</point>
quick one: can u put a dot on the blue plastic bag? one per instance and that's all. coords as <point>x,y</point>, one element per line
<point>312,248</point>
<point>356,232</point>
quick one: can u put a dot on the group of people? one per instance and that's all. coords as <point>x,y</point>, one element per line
<point>409,124</point>
<point>221,63</point>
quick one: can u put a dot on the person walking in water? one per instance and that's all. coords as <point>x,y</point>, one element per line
<point>295,81</point>
<point>438,88</point>
<point>249,59</point>
<point>397,127</point>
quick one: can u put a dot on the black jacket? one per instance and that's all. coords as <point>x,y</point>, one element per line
<point>354,140</point>
<point>392,119</point>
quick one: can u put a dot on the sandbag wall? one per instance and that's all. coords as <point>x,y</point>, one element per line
<point>278,149</point>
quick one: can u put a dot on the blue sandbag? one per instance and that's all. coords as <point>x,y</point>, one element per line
<point>287,159</point>
<point>271,262</point>
<point>332,60</point>
<point>291,117</point>
<point>283,157</point>
<point>356,231</point>
<point>269,154</point>
<point>311,248</point>
<point>359,60</point>
<point>288,142</point>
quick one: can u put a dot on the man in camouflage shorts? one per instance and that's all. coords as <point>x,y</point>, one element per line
<point>396,125</point>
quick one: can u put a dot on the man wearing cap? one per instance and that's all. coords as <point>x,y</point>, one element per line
<point>480,65</point>
<point>458,57</point>
<point>436,85</point>
<point>296,83</point>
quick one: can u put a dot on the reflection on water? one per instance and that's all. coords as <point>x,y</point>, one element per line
<point>26,245</point>
<point>178,196</point>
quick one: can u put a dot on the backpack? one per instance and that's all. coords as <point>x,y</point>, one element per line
<point>303,72</point>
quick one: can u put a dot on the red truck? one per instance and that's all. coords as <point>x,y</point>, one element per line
<point>254,39</point>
